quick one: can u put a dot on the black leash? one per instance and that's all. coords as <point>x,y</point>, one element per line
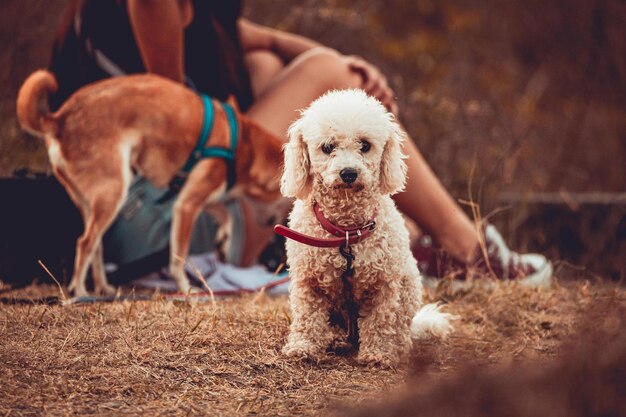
<point>352,308</point>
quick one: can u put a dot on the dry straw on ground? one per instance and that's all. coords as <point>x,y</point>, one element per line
<point>159,357</point>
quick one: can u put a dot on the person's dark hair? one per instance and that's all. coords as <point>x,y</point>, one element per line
<point>213,55</point>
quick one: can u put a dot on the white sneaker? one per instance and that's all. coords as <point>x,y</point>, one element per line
<point>531,269</point>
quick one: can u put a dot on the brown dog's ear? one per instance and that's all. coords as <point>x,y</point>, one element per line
<point>392,165</point>
<point>295,181</point>
<point>266,153</point>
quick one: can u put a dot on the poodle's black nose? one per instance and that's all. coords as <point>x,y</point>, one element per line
<point>348,175</point>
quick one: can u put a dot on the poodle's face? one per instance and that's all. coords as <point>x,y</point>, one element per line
<point>344,140</point>
<point>344,159</point>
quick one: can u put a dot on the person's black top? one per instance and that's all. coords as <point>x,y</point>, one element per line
<point>97,33</point>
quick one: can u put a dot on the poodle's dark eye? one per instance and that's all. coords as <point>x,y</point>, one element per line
<point>327,148</point>
<point>365,146</point>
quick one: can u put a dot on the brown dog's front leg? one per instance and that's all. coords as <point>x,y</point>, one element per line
<point>183,219</point>
<point>206,183</point>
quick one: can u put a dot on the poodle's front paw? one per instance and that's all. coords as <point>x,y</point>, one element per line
<point>303,349</point>
<point>377,358</point>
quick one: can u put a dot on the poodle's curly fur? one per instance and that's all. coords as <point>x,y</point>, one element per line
<point>387,285</point>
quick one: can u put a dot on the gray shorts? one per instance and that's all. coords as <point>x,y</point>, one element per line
<point>142,227</point>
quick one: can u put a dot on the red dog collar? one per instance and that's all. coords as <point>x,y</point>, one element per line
<point>348,235</point>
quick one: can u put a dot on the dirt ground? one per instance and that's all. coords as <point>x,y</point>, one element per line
<point>160,357</point>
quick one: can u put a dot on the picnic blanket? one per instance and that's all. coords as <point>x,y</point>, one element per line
<point>223,279</point>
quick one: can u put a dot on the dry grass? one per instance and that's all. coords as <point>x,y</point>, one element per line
<point>158,357</point>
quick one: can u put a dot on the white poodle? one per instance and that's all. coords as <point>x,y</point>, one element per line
<point>344,159</point>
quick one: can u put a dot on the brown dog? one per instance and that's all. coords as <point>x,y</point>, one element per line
<point>150,124</point>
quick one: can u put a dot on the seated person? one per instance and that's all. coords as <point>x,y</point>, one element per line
<point>208,46</point>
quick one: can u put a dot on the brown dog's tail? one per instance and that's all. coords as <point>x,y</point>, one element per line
<point>32,104</point>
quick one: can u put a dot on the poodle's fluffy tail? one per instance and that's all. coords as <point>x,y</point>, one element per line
<point>431,321</point>
<point>32,104</point>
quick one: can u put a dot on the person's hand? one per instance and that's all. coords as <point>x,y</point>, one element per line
<point>374,82</point>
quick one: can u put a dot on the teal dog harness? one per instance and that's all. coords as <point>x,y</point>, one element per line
<point>201,151</point>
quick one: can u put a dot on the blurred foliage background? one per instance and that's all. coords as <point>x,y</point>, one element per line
<point>532,92</point>
<point>513,97</point>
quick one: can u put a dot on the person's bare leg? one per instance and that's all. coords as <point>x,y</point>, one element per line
<point>428,203</point>
<point>425,200</point>
<point>306,78</point>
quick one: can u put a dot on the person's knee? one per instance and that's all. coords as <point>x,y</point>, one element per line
<point>328,70</point>
<point>263,67</point>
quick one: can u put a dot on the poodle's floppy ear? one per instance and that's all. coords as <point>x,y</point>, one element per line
<point>295,181</point>
<point>392,165</point>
